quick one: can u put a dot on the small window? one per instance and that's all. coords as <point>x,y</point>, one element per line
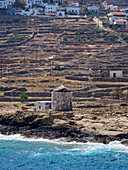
<point>39,107</point>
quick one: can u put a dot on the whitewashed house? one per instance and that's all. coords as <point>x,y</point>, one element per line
<point>125,11</point>
<point>73,9</point>
<point>43,105</point>
<point>116,74</point>
<point>105,5</point>
<point>3,4</point>
<point>109,7</point>
<point>116,16</point>
<point>122,23</point>
<point>60,12</point>
<point>29,3</point>
<point>112,8</point>
<point>10,2</point>
<point>19,12</point>
<point>51,8</point>
<point>29,12</point>
<point>94,9</point>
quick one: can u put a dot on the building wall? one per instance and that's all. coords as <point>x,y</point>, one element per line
<point>3,4</point>
<point>61,101</point>
<point>112,19</point>
<point>34,2</point>
<point>117,74</point>
<point>51,9</point>
<point>93,9</point>
<point>10,2</point>
<point>40,106</point>
<point>73,10</point>
<point>60,14</point>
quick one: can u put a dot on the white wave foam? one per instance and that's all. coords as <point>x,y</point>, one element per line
<point>73,146</point>
<point>19,137</point>
<point>115,146</point>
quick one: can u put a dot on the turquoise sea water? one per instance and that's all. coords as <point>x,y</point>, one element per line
<point>17,153</point>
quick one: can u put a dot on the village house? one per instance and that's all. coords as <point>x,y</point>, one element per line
<point>94,9</point>
<point>29,12</point>
<point>60,12</point>
<point>125,11</point>
<point>122,23</point>
<point>73,9</point>
<point>112,8</point>
<point>109,7</point>
<point>116,16</point>
<point>3,4</point>
<point>30,3</point>
<point>51,8</point>
<point>115,73</point>
<point>43,105</point>
<point>105,5</point>
<point>10,2</point>
<point>19,12</point>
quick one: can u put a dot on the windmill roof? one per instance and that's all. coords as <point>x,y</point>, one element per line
<point>62,88</point>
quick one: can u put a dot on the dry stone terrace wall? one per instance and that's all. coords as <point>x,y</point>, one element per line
<point>71,56</point>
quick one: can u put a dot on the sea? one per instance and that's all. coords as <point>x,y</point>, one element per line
<point>20,153</point>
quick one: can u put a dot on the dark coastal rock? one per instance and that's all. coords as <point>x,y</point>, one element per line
<point>125,142</point>
<point>43,126</point>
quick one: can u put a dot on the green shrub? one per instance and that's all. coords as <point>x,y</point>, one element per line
<point>90,19</point>
<point>64,38</point>
<point>15,105</point>
<point>17,38</point>
<point>57,67</point>
<point>79,32</point>
<point>100,31</point>
<point>127,95</point>
<point>23,97</point>
<point>103,73</point>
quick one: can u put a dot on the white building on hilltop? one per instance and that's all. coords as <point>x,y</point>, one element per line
<point>10,2</point>
<point>116,73</point>
<point>116,16</point>
<point>3,4</point>
<point>122,23</point>
<point>29,3</point>
<point>109,7</point>
<point>51,8</point>
<point>60,12</point>
<point>73,9</point>
<point>94,9</point>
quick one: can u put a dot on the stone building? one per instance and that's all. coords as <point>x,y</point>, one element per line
<point>61,99</point>
<point>116,74</point>
<point>43,105</point>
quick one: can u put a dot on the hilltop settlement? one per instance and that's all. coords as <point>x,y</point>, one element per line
<point>64,69</point>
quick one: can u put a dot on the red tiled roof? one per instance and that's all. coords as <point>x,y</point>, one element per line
<point>72,6</point>
<point>121,20</point>
<point>52,14</point>
<point>18,10</point>
<point>118,13</point>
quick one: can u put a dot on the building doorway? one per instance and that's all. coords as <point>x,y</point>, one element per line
<point>114,75</point>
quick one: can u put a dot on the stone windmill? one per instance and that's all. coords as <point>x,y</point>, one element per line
<point>61,99</point>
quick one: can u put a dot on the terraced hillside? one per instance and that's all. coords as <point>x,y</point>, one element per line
<point>80,50</point>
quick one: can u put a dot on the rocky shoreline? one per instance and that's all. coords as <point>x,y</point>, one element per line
<point>72,126</point>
